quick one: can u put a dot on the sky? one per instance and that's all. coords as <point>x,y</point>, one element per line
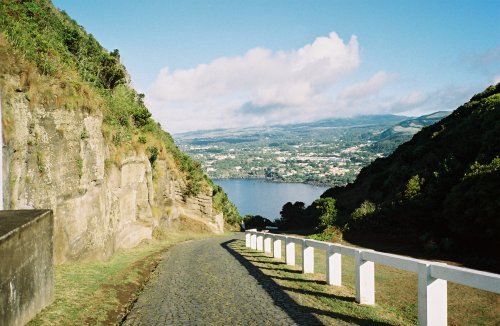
<point>232,63</point>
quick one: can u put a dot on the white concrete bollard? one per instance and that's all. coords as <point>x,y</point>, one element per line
<point>247,239</point>
<point>260,242</point>
<point>290,252</point>
<point>365,279</point>
<point>267,244</point>
<point>333,267</point>
<point>253,241</point>
<point>432,298</point>
<point>277,248</point>
<point>307,258</point>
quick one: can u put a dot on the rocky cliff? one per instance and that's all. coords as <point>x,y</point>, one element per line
<point>58,159</point>
<point>84,146</point>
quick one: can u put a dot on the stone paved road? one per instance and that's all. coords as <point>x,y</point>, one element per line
<point>205,282</point>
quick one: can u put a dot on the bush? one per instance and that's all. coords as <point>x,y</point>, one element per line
<point>365,209</point>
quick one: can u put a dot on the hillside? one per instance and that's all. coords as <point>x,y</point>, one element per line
<point>79,140</point>
<point>440,189</point>
<point>388,140</point>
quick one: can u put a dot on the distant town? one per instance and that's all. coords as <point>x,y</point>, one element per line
<point>326,153</point>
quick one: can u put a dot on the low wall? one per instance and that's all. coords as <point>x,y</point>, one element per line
<point>26,264</point>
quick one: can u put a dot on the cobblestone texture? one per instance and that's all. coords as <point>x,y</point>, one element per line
<point>206,282</point>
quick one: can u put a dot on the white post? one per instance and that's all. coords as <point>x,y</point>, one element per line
<point>247,239</point>
<point>277,248</point>
<point>365,279</point>
<point>290,252</point>
<point>253,241</point>
<point>260,242</point>
<point>333,267</point>
<point>307,258</point>
<point>267,244</point>
<point>432,298</point>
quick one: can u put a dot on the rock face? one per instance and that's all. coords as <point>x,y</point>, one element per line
<point>56,158</point>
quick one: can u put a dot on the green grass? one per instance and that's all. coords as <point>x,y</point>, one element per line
<point>396,292</point>
<point>99,293</point>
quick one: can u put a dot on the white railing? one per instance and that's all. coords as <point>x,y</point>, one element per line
<point>432,276</point>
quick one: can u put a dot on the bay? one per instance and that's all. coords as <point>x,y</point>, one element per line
<point>265,198</point>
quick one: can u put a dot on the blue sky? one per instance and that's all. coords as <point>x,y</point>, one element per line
<point>211,64</point>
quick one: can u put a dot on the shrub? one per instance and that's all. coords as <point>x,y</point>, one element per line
<point>413,187</point>
<point>365,209</point>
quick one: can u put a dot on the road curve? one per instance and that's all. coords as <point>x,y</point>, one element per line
<point>206,282</point>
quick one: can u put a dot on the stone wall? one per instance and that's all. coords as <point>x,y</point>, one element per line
<point>26,267</point>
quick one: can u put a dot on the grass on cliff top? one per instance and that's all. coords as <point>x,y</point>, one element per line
<point>100,293</point>
<point>396,293</point>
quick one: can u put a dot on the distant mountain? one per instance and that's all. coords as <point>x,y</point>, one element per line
<point>441,188</point>
<point>388,140</point>
<point>360,121</point>
<point>413,125</point>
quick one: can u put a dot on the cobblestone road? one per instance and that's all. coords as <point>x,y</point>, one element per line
<point>206,282</point>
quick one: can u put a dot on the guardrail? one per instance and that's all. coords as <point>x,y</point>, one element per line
<point>432,276</point>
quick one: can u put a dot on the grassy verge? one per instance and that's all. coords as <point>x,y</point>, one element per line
<point>396,293</point>
<point>99,293</point>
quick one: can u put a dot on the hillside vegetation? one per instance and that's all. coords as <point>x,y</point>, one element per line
<point>60,65</point>
<point>440,189</point>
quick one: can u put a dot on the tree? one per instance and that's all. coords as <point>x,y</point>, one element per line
<point>327,213</point>
<point>292,214</point>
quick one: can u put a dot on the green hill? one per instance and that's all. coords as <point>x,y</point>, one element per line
<point>441,189</point>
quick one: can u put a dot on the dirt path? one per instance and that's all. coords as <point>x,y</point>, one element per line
<point>206,282</point>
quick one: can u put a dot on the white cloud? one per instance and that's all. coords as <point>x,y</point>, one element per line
<point>265,87</point>
<point>371,86</point>
<point>259,87</point>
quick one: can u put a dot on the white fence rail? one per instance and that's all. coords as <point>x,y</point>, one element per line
<point>432,276</point>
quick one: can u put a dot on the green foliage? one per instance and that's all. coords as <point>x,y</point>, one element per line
<point>478,169</point>
<point>329,234</point>
<point>222,204</point>
<point>366,208</point>
<point>153,153</point>
<point>256,222</point>
<point>79,165</point>
<point>142,139</point>
<point>413,187</point>
<point>291,215</point>
<point>84,135</point>
<point>55,43</point>
<point>40,162</point>
<point>326,211</point>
